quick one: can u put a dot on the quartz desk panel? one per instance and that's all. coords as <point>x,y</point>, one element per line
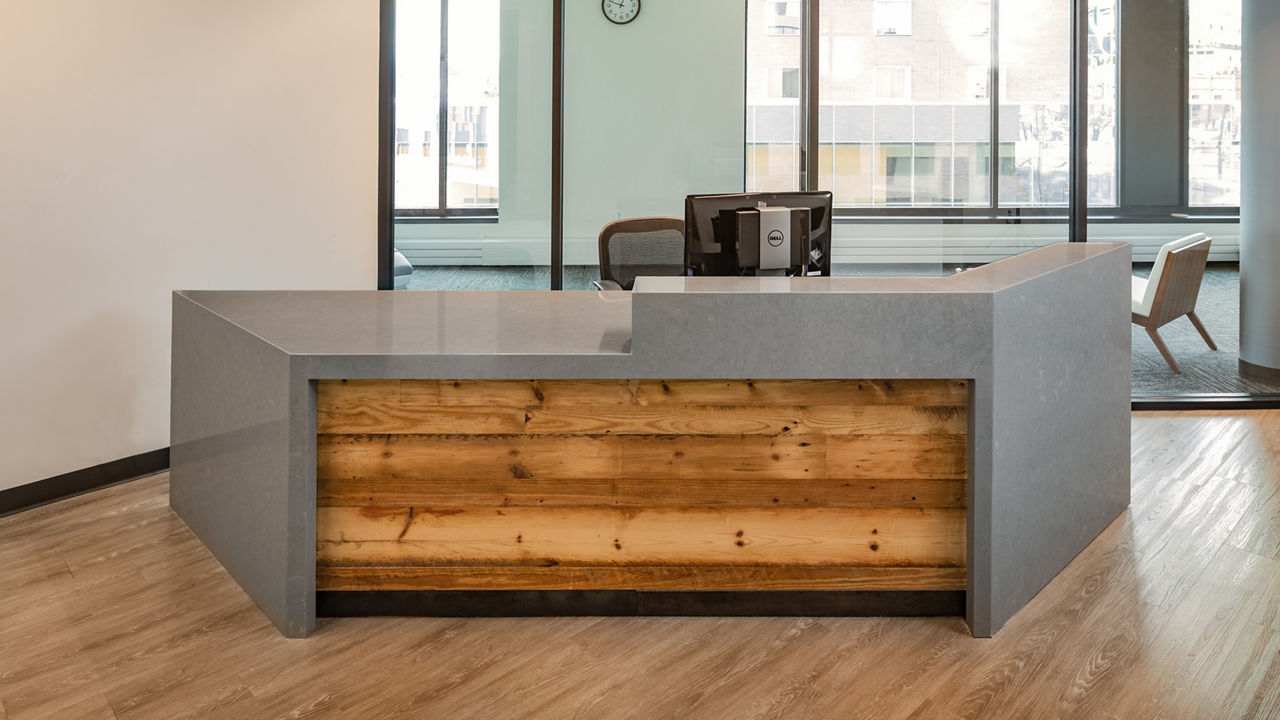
<point>890,440</point>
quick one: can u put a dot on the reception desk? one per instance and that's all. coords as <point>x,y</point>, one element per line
<point>916,445</point>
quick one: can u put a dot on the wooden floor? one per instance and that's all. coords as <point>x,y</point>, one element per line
<point>109,607</point>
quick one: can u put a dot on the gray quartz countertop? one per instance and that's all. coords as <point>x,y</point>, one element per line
<point>552,323</point>
<point>429,322</point>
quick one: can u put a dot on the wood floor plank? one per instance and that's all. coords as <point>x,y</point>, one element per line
<point>1168,614</point>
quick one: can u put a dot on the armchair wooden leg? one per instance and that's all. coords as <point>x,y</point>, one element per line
<point>1200,326</point>
<point>1155,338</point>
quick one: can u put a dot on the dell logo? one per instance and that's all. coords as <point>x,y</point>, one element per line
<point>776,238</point>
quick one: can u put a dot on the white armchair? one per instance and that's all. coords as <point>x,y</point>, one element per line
<point>1172,290</point>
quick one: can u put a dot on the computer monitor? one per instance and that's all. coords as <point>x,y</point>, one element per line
<point>786,233</point>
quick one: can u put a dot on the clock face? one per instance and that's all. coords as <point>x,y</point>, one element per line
<point>620,11</point>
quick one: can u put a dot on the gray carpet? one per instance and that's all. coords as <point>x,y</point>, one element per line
<point>1203,370</point>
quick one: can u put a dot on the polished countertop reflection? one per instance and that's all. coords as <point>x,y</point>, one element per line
<point>428,322</point>
<point>584,323</point>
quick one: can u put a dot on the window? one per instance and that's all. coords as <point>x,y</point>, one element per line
<point>908,134</point>
<point>783,17</point>
<point>910,124</point>
<point>893,84</point>
<point>450,95</point>
<point>784,82</point>
<point>773,96</point>
<point>892,17</point>
<point>1214,92</point>
<point>976,80</point>
<point>980,16</point>
<point>1104,84</point>
<point>1035,103</point>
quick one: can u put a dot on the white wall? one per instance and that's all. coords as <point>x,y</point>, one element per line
<point>153,145</point>
<point>654,110</point>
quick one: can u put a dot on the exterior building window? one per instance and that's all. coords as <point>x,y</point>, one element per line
<point>910,122</point>
<point>459,41</point>
<point>976,80</point>
<point>980,17</point>
<point>1214,66</point>
<point>892,17</point>
<point>893,84</point>
<point>783,17</point>
<point>784,83</point>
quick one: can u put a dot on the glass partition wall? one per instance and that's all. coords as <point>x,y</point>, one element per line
<point>653,111</point>
<point>943,128</point>
<point>472,156</point>
<point>910,98</point>
<point>1179,147</point>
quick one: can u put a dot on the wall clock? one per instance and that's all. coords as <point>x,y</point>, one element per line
<point>620,12</point>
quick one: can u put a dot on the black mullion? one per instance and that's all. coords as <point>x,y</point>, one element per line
<point>557,146</point>
<point>442,125</point>
<point>746,65</point>
<point>810,107</point>
<point>1078,207</point>
<point>386,141</point>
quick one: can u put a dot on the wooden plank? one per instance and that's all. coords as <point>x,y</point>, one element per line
<point>378,417</point>
<point>885,457</point>
<point>637,457</point>
<point>711,491</point>
<point>658,458</point>
<point>547,393</point>
<point>805,393</point>
<point>370,416</point>
<point>615,536</point>
<point>613,577</point>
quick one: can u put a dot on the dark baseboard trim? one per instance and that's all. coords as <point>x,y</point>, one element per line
<point>77,482</point>
<point>1207,401</point>
<point>626,603</point>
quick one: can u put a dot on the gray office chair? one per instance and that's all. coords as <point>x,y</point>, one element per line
<point>640,246</point>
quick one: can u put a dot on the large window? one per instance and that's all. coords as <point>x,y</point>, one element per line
<point>447,64</point>
<point>905,104</point>
<point>1214,91</point>
<point>773,94</point>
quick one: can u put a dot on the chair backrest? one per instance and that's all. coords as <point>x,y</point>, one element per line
<point>1162,258</point>
<point>1177,287</point>
<point>641,246</point>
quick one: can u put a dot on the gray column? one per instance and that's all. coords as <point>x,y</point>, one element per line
<point>1260,196</point>
<point>1153,73</point>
